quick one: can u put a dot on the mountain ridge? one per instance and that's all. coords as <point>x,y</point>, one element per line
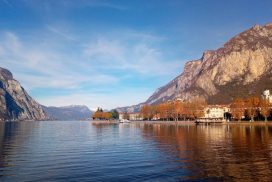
<point>236,69</point>
<point>71,112</point>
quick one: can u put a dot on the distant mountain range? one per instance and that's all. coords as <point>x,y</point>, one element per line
<point>73,112</point>
<point>242,67</point>
<point>16,104</point>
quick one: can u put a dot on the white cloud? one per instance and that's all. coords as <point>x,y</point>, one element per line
<point>139,56</point>
<point>105,49</point>
<point>11,43</point>
<point>37,66</point>
<point>73,66</point>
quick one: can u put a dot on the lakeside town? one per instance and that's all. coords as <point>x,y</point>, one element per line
<point>135,90</point>
<point>248,109</point>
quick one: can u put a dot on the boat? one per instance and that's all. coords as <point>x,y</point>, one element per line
<point>124,121</point>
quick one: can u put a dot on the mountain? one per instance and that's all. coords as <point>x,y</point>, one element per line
<point>74,112</point>
<point>15,103</point>
<point>242,67</point>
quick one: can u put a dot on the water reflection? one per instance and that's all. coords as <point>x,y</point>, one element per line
<point>11,140</point>
<point>81,151</point>
<point>219,152</point>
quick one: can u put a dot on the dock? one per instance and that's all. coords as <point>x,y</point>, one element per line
<point>98,122</point>
<point>210,121</point>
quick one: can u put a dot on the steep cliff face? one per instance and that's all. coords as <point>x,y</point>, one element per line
<point>15,103</point>
<point>242,67</point>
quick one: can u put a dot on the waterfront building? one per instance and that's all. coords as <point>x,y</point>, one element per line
<point>130,116</point>
<point>121,115</point>
<point>266,95</point>
<point>216,111</point>
<point>135,116</point>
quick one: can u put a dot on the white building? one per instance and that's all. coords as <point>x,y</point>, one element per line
<point>266,95</point>
<point>135,116</point>
<point>131,116</point>
<point>215,111</point>
<point>121,116</point>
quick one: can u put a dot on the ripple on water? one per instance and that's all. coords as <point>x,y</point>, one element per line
<point>80,151</point>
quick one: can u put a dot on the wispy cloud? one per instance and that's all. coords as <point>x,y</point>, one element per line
<point>105,48</point>
<point>80,67</point>
<point>60,33</point>
<point>139,57</point>
<point>106,4</point>
<point>47,6</point>
<point>38,66</point>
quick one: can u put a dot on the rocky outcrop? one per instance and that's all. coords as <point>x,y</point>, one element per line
<point>66,113</point>
<point>15,103</point>
<point>240,68</point>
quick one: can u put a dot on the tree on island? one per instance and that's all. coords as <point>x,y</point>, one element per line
<point>100,115</point>
<point>99,109</point>
<point>115,114</point>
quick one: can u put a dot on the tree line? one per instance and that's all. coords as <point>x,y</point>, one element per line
<point>250,108</point>
<point>174,110</point>
<point>101,115</point>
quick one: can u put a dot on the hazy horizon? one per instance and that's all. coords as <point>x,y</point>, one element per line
<point>113,53</point>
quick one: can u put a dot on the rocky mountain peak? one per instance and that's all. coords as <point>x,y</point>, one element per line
<point>253,38</point>
<point>256,27</point>
<point>268,25</point>
<point>5,74</point>
<point>15,103</point>
<point>242,67</point>
<point>207,54</point>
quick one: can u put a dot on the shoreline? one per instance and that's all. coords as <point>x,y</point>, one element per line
<point>104,122</point>
<point>249,123</point>
<point>97,122</point>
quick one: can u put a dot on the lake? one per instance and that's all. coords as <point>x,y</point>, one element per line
<point>81,151</point>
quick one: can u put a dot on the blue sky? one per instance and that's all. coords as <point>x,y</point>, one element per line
<point>113,53</point>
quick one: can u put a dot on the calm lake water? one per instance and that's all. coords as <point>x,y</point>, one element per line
<point>80,151</point>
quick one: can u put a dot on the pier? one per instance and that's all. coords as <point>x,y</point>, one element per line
<point>210,121</point>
